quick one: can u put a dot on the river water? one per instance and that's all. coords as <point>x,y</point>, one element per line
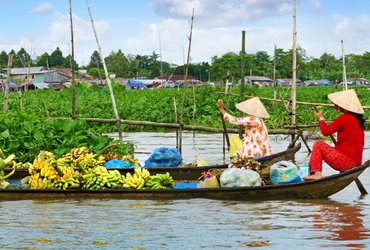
<point>340,222</point>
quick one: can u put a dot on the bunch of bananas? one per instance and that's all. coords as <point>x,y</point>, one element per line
<point>48,173</point>
<point>159,181</point>
<point>23,165</point>
<point>67,177</point>
<point>136,180</point>
<point>42,171</point>
<point>101,178</point>
<point>247,163</point>
<point>83,157</point>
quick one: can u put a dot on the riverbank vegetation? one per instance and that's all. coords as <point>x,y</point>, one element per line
<point>127,65</point>
<point>157,105</point>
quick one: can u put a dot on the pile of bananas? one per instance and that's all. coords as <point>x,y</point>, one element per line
<point>159,181</point>
<point>101,178</point>
<point>82,158</point>
<point>247,163</point>
<point>136,180</point>
<point>48,173</point>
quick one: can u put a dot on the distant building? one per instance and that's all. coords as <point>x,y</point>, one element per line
<point>321,82</point>
<point>179,80</point>
<point>38,76</point>
<point>260,81</point>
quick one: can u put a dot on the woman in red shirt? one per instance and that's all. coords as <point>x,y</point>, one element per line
<point>347,152</point>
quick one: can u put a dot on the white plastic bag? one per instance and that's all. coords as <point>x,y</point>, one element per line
<point>239,177</point>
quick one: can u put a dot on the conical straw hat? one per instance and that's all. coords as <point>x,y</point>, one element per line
<point>253,107</point>
<point>347,100</point>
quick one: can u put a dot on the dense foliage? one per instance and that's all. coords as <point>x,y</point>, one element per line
<point>327,66</point>
<point>26,134</point>
<point>157,105</point>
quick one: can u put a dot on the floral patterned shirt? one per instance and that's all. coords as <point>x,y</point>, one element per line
<point>256,142</point>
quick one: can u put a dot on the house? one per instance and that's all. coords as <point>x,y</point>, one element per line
<point>178,80</point>
<point>321,82</point>
<point>40,75</point>
<point>288,82</point>
<point>260,81</point>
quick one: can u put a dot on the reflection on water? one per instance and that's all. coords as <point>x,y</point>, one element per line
<point>341,222</point>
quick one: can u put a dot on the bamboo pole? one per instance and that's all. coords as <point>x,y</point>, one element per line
<point>7,83</point>
<point>176,126</point>
<point>185,84</point>
<point>20,101</point>
<point>344,67</point>
<point>118,121</point>
<point>176,118</point>
<point>242,80</point>
<point>294,66</point>
<point>73,85</point>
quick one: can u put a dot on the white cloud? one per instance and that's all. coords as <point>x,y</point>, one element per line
<point>316,4</point>
<point>353,31</point>
<point>42,9</point>
<point>221,13</point>
<point>84,39</point>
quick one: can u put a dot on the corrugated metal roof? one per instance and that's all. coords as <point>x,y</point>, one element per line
<point>25,71</point>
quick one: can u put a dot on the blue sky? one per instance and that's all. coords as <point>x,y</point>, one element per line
<point>141,26</point>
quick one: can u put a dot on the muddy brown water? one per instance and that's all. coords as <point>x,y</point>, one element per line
<point>340,222</point>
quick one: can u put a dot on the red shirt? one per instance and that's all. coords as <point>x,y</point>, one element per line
<point>350,137</point>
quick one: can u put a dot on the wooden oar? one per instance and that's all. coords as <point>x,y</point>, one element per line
<point>225,131</point>
<point>357,180</point>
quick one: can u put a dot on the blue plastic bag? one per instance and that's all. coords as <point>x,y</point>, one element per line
<point>164,157</point>
<point>284,172</point>
<point>115,163</point>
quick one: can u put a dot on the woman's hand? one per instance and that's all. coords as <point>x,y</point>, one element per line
<point>220,105</point>
<point>319,116</point>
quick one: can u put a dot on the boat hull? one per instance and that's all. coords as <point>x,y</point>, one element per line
<point>321,188</point>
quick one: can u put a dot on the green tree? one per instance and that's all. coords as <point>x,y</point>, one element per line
<point>43,60</point>
<point>56,58</point>
<point>117,63</point>
<point>221,67</point>
<point>95,61</point>
<point>67,62</point>
<point>21,59</point>
<point>3,59</point>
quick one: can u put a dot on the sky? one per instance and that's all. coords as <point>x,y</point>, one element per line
<point>139,27</point>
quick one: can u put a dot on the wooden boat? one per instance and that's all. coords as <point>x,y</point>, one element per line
<point>191,173</point>
<point>321,188</point>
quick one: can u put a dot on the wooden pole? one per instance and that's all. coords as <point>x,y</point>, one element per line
<point>242,75</point>
<point>7,83</point>
<point>118,121</point>
<point>344,67</point>
<point>20,100</point>
<point>294,66</point>
<point>176,121</point>
<point>177,126</point>
<point>185,84</point>
<point>73,85</point>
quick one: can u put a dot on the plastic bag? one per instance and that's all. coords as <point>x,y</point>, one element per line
<point>164,157</point>
<point>238,177</point>
<point>284,172</point>
<point>115,163</point>
<point>209,181</point>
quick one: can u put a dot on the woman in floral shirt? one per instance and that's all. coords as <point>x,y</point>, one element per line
<point>256,142</point>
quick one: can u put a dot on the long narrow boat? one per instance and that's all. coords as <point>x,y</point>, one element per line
<point>321,188</point>
<point>191,173</point>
